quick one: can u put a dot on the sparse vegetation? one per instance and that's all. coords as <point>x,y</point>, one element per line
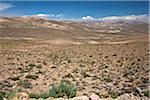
<point>92,68</point>
<point>25,84</point>
<point>28,68</point>
<point>147,93</point>
<point>15,78</point>
<point>12,94</point>
<point>114,94</point>
<point>108,79</point>
<point>65,88</point>
<point>39,66</point>
<point>31,65</point>
<point>44,95</point>
<point>1,96</point>
<point>34,77</point>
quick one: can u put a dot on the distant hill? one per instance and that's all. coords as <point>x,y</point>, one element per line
<point>34,27</point>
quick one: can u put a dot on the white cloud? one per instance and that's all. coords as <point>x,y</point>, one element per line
<point>59,15</point>
<point>5,6</point>
<point>128,18</point>
<point>88,18</point>
<point>41,15</point>
<point>52,15</point>
<point>142,18</point>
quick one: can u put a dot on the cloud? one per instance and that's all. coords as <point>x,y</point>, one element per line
<point>5,6</point>
<point>59,15</point>
<point>56,16</point>
<point>44,15</point>
<point>128,18</point>
<point>88,18</point>
<point>142,18</point>
<point>52,15</point>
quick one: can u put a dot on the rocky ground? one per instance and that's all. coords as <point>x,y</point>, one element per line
<point>101,60</point>
<point>108,70</point>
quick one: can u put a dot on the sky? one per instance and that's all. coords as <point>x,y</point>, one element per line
<point>73,9</point>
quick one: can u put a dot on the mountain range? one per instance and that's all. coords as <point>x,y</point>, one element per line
<point>37,27</point>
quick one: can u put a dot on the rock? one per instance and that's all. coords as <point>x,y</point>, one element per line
<point>131,97</point>
<point>124,97</point>
<point>80,98</point>
<point>144,98</point>
<point>4,98</point>
<point>104,94</point>
<point>53,66</point>
<point>21,96</point>
<point>94,97</point>
<point>138,89</point>
<point>58,99</point>
<point>75,98</point>
<point>5,86</point>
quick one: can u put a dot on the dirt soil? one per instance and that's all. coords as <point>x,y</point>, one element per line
<point>120,66</point>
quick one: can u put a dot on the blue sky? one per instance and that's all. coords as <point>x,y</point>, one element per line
<point>73,9</point>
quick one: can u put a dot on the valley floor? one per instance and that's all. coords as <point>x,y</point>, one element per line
<point>104,69</point>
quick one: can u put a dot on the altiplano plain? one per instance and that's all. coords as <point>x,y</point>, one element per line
<point>37,53</point>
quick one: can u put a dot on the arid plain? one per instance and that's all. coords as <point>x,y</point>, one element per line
<point>96,58</point>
